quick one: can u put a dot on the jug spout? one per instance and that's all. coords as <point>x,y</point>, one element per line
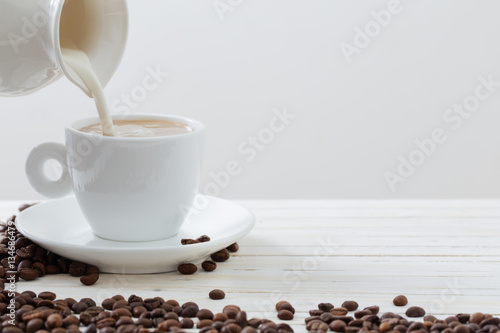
<point>31,32</point>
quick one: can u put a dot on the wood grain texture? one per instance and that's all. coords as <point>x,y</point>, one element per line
<point>444,255</point>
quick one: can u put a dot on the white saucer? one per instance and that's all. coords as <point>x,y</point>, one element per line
<point>59,226</point>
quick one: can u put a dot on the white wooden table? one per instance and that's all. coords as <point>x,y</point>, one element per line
<point>443,255</point>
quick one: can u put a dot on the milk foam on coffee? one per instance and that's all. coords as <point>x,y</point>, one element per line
<point>79,62</point>
<point>142,128</point>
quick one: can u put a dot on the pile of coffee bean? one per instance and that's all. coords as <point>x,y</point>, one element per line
<point>328,317</point>
<point>43,313</point>
<point>207,265</point>
<point>21,258</point>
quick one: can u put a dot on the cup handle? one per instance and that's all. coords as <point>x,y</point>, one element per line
<point>37,177</point>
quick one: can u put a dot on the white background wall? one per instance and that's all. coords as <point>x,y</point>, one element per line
<point>353,120</point>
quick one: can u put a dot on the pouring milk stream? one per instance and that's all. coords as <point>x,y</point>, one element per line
<point>78,60</point>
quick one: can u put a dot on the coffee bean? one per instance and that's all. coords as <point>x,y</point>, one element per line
<point>168,324</point>
<point>231,328</point>
<point>187,268</point>
<point>400,300</point>
<point>189,311</point>
<point>28,274</point>
<point>187,241</point>
<point>325,307</point>
<point>40,268</point>
<point>287,306</point>
<point>217,294</point>
<point>233,247</point>
<point>340,311</point>
<point>35,325</point>
<point>285,315</point>
<point>231,311</point>
<point>54,320</point>
<point>374,309</point>
<point>209,265</point>
<point>220,317</point>
<point>47,295</point>
<point>220,256</point>
<point>415,311</point>
<point>92,270</point>
<point>337,326</point>
<point>89,280</point>
<point>350,305</point>
<point>108,303</point>
<point>315,312</point>
<point>362,313</point>
<point>77,268</point>
<point>248,329</point>
<point>316,325</point>
<point>79,307</point>
<point>187,323</point>
<point>205,314</point>
<point>203,238</point>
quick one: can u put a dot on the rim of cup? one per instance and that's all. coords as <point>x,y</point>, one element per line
<point>75,126</point>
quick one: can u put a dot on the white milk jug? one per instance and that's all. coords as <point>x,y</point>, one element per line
<point>30,35</point>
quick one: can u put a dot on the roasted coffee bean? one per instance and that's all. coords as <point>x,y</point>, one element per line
<point>108,303</point>
<point>284,328</point>
<point>28,274</point>
<point>315,312</point>
<point>233,247</point>
<point>92,270</point>
<point>248,329</point>
<point>350,305</point>
<point>316,325</point>
<point>34,325</point>
<point>415,311</point>
<point>360,314</point>
<point>11,329</point>
<point>285,315</point>
<point>374,309</point>
<point>168,324</point>
<point>89,301</point>
<point>325,307</point>
<point>209,265</point>
<point>52,269</point>
<point>40,268</point>
<point>220,256</point>
<point>490,321</point>
<point>187,323</point>
<point>47,295</point>
<point>171,315</point>
<point>77,268</point>
<point>187,241</point>
<point>203,238</point>
<point>89,280</point>
<point>54,320</point>
<point>79,307</point>
<point>120,312</point>
<point>340,311</point>
<point>241,318</point>
<point>254,322</point>
<point>158,312</point>
<point>230,311</point>
<point>217,294</point>
<point>220,317</point>
<point>400,300</point>
<point>204,323</point>
<point>71,320</point>
<point>204,314</point>
<point>231,328</point>
<point>476,318</point>
<point>189,311</point>
<point>187,268</point>
<point>337,326</point>
<point>463,317</point>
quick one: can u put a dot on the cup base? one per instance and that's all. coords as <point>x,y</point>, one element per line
<point>133,239</point>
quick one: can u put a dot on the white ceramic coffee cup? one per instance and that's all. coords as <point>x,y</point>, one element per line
<point>129,189</point>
